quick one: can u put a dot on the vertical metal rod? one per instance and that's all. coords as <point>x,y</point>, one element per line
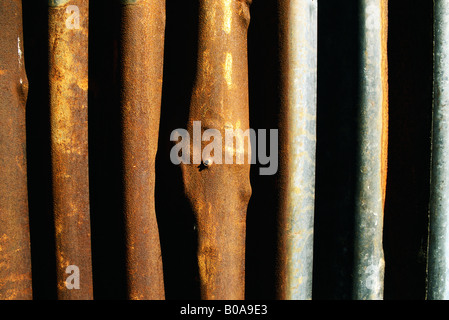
<point>298,43</point>
<point>438,253</point>
<point>219,193</point>
<point>142,55</point>
<point>68,72</point>
<point>369,257</point>
<point>15,254</point>
<point>385,99</point>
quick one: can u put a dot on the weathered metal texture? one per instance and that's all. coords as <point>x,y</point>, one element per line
<point>142,55</point>
<point>298,43</point>
<point>15,254</point>
<point>370,193</point>
<point>438,251</point>
<point>68,73</point>
<point>219,193</point>
<point>385,98</point>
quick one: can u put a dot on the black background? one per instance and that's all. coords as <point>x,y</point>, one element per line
<point>410,85</point>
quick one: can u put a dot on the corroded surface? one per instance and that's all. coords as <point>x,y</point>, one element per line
<point>370,194</point>
<point>15,255</point>
<point>219,193</point>
<point>68,72</point>
<point>298,42</point>
<point>142,53</point>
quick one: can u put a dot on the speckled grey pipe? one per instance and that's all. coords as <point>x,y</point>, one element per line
<point>438,255</point>
<point>369,257</point>
<point>298,43</point>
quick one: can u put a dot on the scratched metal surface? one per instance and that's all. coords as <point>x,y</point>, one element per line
<point>15,254</point>
<point>438,255</point>
<point>298,43</point>
<point>220,193</point>
<point>369,257</point>
<point>141,68</point>
<point>68,80</point>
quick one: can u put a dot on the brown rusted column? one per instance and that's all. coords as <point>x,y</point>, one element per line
<point>142,53</point>
<point>15,255</point>
<point>68,71</point>
<point>219,193</point>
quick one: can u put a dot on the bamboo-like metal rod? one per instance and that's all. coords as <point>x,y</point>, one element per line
<point>142,55</point>
<point>298,43</point>
<point>219,193</point>
<point>371,174</point>
<point>15,254</point>
<point>68,72</point>
<point>438,253</point>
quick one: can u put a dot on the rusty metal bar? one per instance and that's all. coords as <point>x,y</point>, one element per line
<point>15,254</point>
<point>370,192</point>
<point>298,43</point>
<point>438,251</point>
<point>142,55</point>
<point>68,72</point>
<point>219,193</point>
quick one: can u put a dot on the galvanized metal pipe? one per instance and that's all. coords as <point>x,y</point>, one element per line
<point>371,174</point>
<point>298,43</point>
<point>438,251</point>
<point>68,72</point>
<point>15,254</point>
<point>219,193</point>
<point>142,55</point>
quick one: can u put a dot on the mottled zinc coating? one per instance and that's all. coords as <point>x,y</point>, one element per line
<point>220,193</point>
<point>15,255</point>
<point>298,43</point>
<point>370,192</point>
<point>385,99</point>
<point>68,72</point>
<point>438,257</point>
<point>141,64</point>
